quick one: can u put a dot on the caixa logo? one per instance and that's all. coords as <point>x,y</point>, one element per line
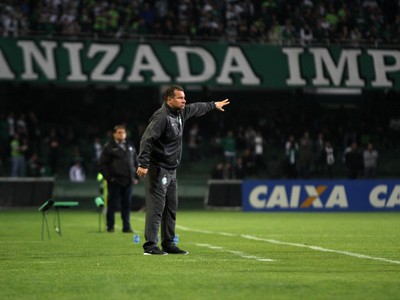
<point>298,196</point>
<point>382,196</point>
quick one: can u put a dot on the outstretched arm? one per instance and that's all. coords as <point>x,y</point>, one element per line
<point>220,104</point>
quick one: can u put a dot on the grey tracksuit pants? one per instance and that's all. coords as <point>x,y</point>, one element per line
<point>161,191</point>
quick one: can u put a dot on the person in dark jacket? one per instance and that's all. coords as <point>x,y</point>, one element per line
<point>159,156</point>
<point>118,163</point>
<point>353,160</point>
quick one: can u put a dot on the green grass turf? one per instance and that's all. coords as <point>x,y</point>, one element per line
<point>225,261</point>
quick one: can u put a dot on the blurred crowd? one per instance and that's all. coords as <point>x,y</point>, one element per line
<point>270,21</point>
<point>29,149</point>
<point>305,157</point>
<point>280,143</point>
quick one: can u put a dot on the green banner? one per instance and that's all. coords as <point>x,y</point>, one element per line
<point>211,64</point>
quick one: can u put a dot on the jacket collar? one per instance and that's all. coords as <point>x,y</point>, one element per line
<point>170,109</point>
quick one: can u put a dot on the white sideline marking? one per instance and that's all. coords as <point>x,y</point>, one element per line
<point>317,248</point>
<point>206,231</point>
<point>238,253</point>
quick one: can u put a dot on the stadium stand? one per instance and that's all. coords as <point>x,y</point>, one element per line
<point>259,21</point>
<point>370,117</point>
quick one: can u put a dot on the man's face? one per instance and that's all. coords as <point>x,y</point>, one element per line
<point>177,102</point>
<point>120,135</point>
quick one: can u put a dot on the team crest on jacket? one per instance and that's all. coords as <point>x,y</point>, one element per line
<point>164,180</point>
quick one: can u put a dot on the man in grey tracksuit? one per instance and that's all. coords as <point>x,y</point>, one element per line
<point>159,156</point>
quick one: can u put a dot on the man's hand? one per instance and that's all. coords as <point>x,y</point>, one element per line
<point>220,104</point>
<point>141,172</point>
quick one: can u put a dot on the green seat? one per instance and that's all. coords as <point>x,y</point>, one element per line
<point>57,205</point>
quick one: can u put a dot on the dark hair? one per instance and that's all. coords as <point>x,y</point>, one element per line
<point>170,91</point>
<point>116,127</point>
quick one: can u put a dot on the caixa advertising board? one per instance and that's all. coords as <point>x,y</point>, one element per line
<point>321,195</point>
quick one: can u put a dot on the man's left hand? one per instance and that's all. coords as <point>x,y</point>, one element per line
<point>220,104</point>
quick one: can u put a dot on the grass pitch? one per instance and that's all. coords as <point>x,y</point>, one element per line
<point>233,255</point>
